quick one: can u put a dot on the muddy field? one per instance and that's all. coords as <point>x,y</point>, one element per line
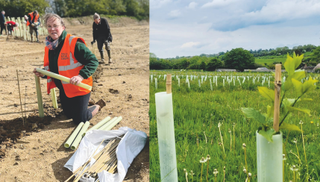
<point>31,148</point>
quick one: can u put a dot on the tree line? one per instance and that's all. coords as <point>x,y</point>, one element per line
<point>75,8</point>
<point>238,59</point>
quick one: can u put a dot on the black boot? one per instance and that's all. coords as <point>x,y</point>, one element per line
<point>109,56</point>
<point>102,59</point>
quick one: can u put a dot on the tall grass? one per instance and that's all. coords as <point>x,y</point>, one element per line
<point>197,112</point>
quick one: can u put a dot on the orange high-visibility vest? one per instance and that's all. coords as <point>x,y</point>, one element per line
<point>35,18</point>
<point>68,66</point>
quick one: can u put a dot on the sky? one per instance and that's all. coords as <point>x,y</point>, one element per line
<point>190,28</point>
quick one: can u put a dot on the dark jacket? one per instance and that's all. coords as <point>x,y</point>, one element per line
<point>102,30</point>
<point>2,18</point>
<point>81,53</point>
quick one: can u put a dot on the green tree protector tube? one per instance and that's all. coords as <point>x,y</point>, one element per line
<point>76,141</point>
<point>110,125</point>
<point>107,124</point>
<point>39,97</point>
<point>62,78</point>
<point>97,126</point>
<point>73,135</point>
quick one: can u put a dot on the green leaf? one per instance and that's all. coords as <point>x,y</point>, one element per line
<point>290,127</point>
<point>289,65</point>
<point>268,134</point>
<point>267,93</point>
<point>254,114</point>
<point>309,85</point>
<point>299,74</point>
<point>297,60</point>
<point>270,110</point>
<point>291,109</point>
<point>298,86</point>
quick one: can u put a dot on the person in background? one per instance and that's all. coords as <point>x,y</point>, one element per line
<point>68,55</point>
<point>10,26</point>
<point>33,22</point>
<point>2,22</point>
<point>101,33</point>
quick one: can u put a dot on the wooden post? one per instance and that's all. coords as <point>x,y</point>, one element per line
<point>168,84</point>
<point>277,88</point>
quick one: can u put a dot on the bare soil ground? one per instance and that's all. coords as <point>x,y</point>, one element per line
<point>34,151</point>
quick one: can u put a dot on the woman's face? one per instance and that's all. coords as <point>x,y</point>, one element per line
<point>54,28</point>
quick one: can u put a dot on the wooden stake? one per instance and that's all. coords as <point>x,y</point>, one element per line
<point>277,88</point>
<point>20,97</point>
<point>169,82</point>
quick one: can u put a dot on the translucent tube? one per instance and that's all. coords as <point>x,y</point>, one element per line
<point>269,158</point>
<point>39,97</point>
<point>166,140</point>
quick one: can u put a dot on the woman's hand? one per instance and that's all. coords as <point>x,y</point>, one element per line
<point>76,80</point>
<point>37,73</point>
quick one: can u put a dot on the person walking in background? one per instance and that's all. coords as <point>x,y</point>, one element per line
<point>2,22</point>
<point>10,26</point>
<point>68,55</point>
<point>101,33</point>
<point>33,21</point>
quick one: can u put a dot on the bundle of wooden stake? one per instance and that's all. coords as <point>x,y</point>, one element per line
<point>106,159</point>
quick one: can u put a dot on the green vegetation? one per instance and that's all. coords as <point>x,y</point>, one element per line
<point>239,59</point>
<point>262,58</point>
<point>198,112</point>
<point>76,8</point>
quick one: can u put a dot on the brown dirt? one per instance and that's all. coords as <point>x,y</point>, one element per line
<point>34,151</point>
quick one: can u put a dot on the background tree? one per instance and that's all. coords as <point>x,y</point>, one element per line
<point>239,59</point>
<point>213,64</point>
<point>315,57</point>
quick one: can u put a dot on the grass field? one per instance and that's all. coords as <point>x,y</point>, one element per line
<point>197,112</point>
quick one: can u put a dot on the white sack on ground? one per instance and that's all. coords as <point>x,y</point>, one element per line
<point>129,147</point>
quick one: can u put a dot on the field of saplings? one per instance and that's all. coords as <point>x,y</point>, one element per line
<point>216,142</point>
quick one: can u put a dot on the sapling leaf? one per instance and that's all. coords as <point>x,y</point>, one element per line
<point>289,65</point>
<point>290,127</point>
<point>266,93</point>
<point>309,85</point>
<point>291,109</point>
<point>299,74</point>
<point>298,86</point>
<point>268,134</point>
<point>297,60</point>
<point>270,110</point>
<point>254,114</point>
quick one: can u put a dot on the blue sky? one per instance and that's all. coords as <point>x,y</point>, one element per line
<point>189,28</point>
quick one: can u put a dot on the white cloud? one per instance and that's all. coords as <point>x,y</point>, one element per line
<point>217,3</point>
<point>192,5</point>
<point>174,13</point>
<point>276,10</point>
<point>190,44</point>
<point>158,3</point>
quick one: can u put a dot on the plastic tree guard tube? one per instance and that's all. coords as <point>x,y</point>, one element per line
<point>110,125</point>
<point>166,141</point>
<point>269,159</point>
<point>76,141</point>
<point>54,98</point>
<point>106,125</point>
<point>102,122</point>
<point>73,135</point>
<point>62,78</point>
<point>39,97</point>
